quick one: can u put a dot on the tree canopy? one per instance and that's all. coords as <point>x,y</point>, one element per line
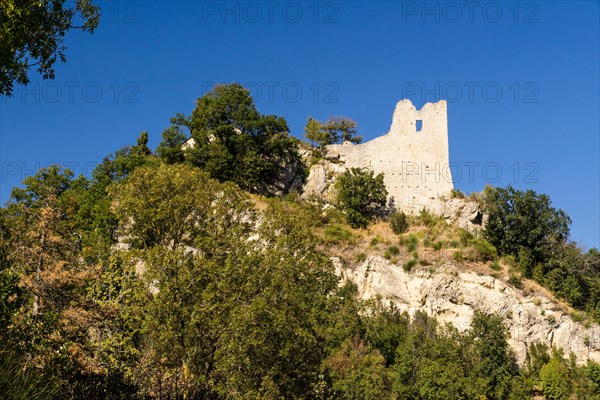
<point>32,35</point>
<point>361,195</point>
<point>235,143</point>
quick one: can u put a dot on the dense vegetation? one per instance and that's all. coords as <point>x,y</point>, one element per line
<point>361,195</point>
<point>162,277</point>
<point>524,225</point>
<point>234,142</point>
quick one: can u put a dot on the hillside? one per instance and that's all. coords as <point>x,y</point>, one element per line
<point>199,273</point>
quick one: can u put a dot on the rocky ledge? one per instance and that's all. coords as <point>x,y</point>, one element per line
<point>453,296</point>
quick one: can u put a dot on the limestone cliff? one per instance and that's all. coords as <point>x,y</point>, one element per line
<point>452,297</point>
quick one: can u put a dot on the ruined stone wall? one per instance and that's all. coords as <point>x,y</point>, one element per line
<point>415,163</point>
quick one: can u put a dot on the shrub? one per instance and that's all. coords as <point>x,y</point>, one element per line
<point>338,234</point>
<point>427,218</point>
<point>376,240</point>
<point>411,242</point>
<point>361,195</point>
<point>485,250</point>
<point>457,194</point>
<point>398,222</point>
<point>577,316</point>
<point>458,256</point>
<point>407,266</point>
<point>393,250</point>
<point>516,281</point>
<point>360,257</point>
<point>465,237</point>
<point>438,245</point>
<point>496,266</point>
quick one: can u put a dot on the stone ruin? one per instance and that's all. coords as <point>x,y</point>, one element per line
<point>414,158</point>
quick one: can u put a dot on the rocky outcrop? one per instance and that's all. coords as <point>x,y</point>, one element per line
<point>467,214</point>
<point>453,296</point>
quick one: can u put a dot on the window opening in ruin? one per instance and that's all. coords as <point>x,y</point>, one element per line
<point>419,125</point>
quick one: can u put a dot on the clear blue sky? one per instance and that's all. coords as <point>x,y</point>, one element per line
<point>521,79</point>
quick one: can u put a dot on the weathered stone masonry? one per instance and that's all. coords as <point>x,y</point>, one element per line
<point>413,157</point>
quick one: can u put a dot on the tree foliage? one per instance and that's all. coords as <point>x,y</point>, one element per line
<point>361,195</point>
<point>524,224</point>
<point>234,317</point>
<point>335,130</point>
<point>235,143</point>
<point>32,35</point>
<point>153,280</point>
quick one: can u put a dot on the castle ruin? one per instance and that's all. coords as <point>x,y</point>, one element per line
<point>413,156</point>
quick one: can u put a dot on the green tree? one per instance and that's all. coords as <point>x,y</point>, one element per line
<point>32,34</point>
<point>555,380</point>
<point>234,308</point>
<point>234,142</point>
<point>358,373</point>
<point>170,149</point>
<point>341,129</point>
<point>495,368</point>
<point>317,136</point>
<point>361,195</point>
<point>525,225</point>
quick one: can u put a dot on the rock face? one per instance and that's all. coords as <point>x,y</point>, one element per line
<point>453,296</point>
<point>467,214</point>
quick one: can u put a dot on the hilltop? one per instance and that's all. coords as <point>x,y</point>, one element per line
<point>203,270</point>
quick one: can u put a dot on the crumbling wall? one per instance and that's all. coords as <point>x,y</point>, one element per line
<point>415,163</point>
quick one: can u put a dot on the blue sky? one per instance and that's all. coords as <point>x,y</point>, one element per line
<point>521,80</point>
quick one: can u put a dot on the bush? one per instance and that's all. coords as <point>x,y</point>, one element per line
<point>457,194</point>
<point>361,195</point>
<point>360,257</point>
<point>485,250</point>
<point>391,252</point>
<point>411,242</point>
<point>376,240</point>
<point>407,266</point>
<point>398,222</point>
<point>465,237</point>
<point>427,218</point>
<point>338,234</point>
<point>458,256</point>
<point>516,281</point>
